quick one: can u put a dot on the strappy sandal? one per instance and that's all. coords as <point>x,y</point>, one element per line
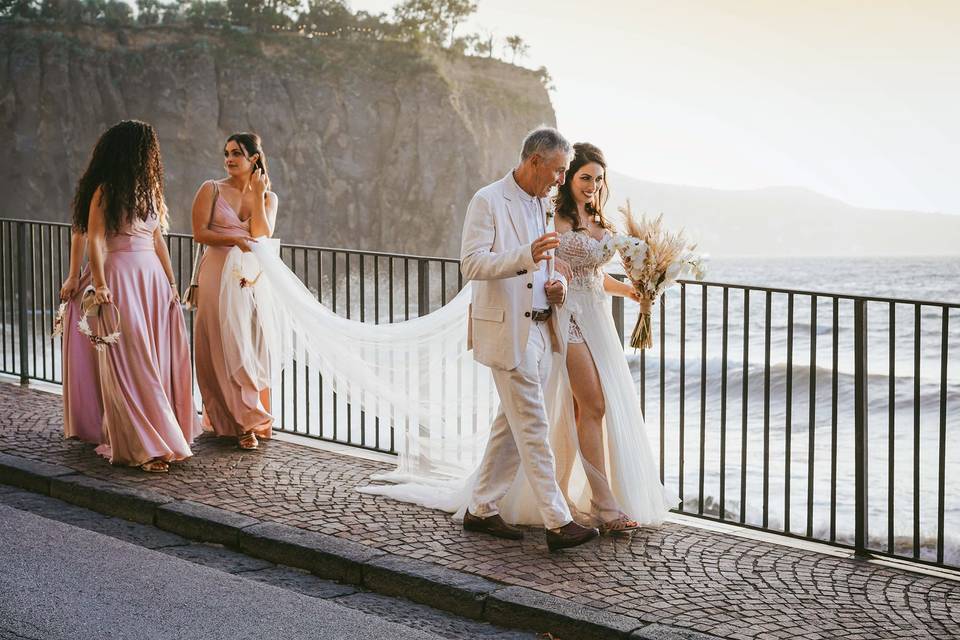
<point>155,466</point>
<point>248,441</point>
<point>621,524</point>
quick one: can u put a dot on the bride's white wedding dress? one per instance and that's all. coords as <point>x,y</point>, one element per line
<point>419,377</point>
<point>631,468</point>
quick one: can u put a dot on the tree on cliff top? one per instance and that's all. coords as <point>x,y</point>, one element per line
<point>517,46</point>
<point>262,15</point>
<point>325,16</point>
<point>18,8</point>
<point>434,21</point>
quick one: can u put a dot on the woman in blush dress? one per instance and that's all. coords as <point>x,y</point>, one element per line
<point>227,213</point>
<point>149,418</point>
<point>82,407</point>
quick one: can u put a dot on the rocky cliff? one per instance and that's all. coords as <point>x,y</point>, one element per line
<point>371,145</point>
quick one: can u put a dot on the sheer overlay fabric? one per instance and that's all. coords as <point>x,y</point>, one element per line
<point>419,377</point>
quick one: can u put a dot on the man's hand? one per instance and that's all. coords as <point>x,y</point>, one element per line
<point>543,244</point>
<point>556,292</point>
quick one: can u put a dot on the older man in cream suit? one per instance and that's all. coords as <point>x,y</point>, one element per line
<point>506,250</point>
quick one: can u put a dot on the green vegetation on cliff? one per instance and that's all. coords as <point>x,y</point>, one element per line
<point>422,23</point>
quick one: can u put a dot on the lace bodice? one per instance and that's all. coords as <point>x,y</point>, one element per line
<point>586,257</point>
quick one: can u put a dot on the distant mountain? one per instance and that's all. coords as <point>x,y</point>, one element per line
<point>788,221</point>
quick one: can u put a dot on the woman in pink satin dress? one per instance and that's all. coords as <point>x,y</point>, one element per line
<point>82,407</point>
<point>149,418</point>
<point>228,213</point>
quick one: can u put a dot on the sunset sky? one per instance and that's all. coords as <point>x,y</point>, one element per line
<point>858,100</point>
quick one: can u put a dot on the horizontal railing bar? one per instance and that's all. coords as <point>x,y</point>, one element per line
<point>824,294</point>
<point>705,283</point>
<point>361,252</point>
<point>38,222</point>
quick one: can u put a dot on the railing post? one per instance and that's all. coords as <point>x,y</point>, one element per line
<point>618,312</point>
<point>618,316</point>
<point>860,427</point>
<point>423,287</point>
<point>22,299</point>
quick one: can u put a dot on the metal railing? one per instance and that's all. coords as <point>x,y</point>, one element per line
<point>816,415</point>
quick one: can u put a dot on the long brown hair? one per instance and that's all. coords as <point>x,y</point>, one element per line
<point>126,166</point>
<point>563,203</point>
<point>251,145</point>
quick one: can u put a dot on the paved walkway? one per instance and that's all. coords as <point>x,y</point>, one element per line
<point>717,583</point>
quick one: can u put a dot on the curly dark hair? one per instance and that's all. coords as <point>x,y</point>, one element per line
<point>126,166</point>
<point>563,203</point>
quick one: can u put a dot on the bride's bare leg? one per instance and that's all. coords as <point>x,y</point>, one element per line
<point>265,399</point>
<point>588,399</point>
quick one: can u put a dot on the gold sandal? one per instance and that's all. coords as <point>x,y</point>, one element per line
<point>155,466</point>
<point>621,524</point>
<point>248,441</point>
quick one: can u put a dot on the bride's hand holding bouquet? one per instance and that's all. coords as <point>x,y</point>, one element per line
<point>654,259</point>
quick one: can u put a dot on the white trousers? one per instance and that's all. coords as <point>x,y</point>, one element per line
<point>520,435</point>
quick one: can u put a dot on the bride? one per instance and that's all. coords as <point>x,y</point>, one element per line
<point>418,376</point>
<point>597,416</point>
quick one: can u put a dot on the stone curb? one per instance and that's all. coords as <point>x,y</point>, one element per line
<point>334,558</point>
<point>201,522</point>
<point>29,474</point>
<point>666,632</point>
<point>138,505</point>
<point>455,591</point>
<point>526,608</point>
<point>323,555</point>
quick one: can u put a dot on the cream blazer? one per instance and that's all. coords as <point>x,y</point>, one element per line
<point>495,255</point>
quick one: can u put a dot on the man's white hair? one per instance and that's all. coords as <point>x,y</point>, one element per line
<point>542,141</point>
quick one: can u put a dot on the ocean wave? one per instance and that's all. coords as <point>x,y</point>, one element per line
<point>799,375</point>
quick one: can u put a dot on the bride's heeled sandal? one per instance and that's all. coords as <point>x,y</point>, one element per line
<point>621,524</point>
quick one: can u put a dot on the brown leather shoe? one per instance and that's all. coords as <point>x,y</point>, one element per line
<point>569,535</point>
<point>494,525</point>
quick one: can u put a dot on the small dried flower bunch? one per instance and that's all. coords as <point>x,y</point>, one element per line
<point>244,281</point>
<point>58,320</point>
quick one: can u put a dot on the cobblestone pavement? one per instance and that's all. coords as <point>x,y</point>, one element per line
<point>679,575</point>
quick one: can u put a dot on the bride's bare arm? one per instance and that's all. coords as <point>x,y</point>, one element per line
<point>616,288</point>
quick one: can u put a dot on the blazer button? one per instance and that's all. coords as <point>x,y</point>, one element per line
<point>529,285</point>
<point>526,315</point>
<point>520,273</point>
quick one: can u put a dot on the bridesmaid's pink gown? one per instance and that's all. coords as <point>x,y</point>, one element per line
<point>145,382</point>
<point>82,407</point>
<point>231,404</point>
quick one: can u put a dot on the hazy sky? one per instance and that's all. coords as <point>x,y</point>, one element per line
<point>857,99</point>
